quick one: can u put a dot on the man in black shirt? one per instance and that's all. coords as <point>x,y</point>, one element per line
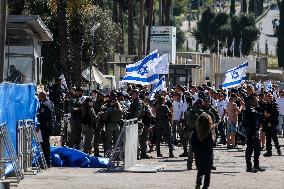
<point>270,127</point>
<point>251,123</point>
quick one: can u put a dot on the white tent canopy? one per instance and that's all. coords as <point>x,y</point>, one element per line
<point>105,81</point>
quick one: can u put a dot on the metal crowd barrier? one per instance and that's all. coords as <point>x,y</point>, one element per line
<point>10,157</point>
<point>125,150</point>
<point>29,149</point>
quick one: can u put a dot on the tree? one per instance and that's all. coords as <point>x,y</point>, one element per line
<point>280,42</point>
<point>130,28</point>
<point>16,7</point>
<point>244,6</point>
<point>251,8</point>
<point>215,31</point>
<point>232,8</point>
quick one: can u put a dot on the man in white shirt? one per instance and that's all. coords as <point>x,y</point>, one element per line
<point>280,102</point>
<point>221,108</point>
<point>194,94</point>
<point>178,109</point>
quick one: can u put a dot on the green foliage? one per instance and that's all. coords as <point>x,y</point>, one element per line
<point>180,38</point>
<point>245,6</point>
<point>222,28</point>
<point>80,22</point>
<point>180,7</point>
<point>280,43</point>
<point>232,8</point>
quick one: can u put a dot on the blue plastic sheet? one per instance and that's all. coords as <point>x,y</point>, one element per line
<point>69,157</point>
<point>17,102</point>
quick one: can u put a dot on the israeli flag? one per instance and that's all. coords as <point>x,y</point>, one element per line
<point>161,85</point>
<point>259,86</point>
<point>161,65</point>
<point>269,86</point>
<point>235,76</point>
<point>141,72</point>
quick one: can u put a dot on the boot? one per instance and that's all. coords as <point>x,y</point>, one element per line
<point>249,167</point>
<point>145,156</point>
<point>159,153</point>
<point>257,168</point>
<point>171,155</point>
<point>267,154</point>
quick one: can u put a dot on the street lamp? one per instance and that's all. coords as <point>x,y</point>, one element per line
<point>93,29</point>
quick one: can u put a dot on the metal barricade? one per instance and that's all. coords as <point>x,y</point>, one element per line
<point>29,148</point>
<point>10,156</point>
<point>125,149</point>
<point>66,129</point>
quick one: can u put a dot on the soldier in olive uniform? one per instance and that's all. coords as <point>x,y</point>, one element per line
<point>112,129</point>
<point>191,117</point>
<point>137,110</point>
<point>89,119</point>
<point>163,115</point>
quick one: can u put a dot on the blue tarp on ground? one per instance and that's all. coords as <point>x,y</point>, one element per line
<point>17,102</point>
<point>69,157</point>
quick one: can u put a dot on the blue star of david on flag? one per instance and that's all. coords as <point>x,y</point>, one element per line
<point>235,75</point>
<point>143,70</point>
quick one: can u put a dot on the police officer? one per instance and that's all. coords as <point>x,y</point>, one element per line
<point>251,120</point>
<point>56,95</point>
<point>75,119</point>
<point>114,115</point>
<point>98,127</point>
<point>271,121</point>
<point>45,119</point>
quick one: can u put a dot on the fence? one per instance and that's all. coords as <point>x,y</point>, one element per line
<point>28,146</point>
<point>9,157</point>
<point>125,150</point>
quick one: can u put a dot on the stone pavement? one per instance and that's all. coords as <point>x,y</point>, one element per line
<point>230,174</point>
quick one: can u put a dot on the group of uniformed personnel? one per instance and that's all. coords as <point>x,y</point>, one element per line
<point>170,118</point>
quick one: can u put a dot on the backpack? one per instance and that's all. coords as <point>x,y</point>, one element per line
<point>191,117</point>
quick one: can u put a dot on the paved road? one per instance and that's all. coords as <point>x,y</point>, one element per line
<point>267,31</point>
<point>230,174</point>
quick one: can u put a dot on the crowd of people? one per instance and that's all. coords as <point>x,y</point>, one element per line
<point>197,118</point>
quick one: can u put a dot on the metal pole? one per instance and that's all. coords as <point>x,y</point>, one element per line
<point>141,30</point>
<point>90,66</point>
<point>3,20</point>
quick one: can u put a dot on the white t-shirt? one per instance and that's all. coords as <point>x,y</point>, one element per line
<point>195,96</point>
<point>280,102</point>
<point>221,106</point>
<point>214,103</point>
<point>178,109</point>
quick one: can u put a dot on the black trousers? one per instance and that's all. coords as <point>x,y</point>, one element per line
<point>45,145</point>
<point>221,130</point>
<point>271,133</point>
<point>203,164</point>
<point>253,146</point>
<point>159,133</point>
